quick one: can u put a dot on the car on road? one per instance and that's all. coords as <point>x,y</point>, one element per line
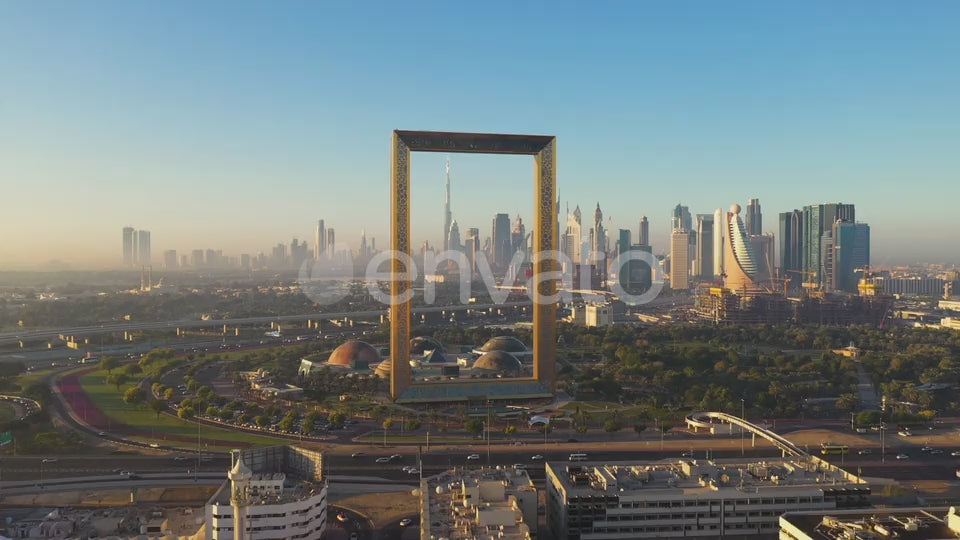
<point>102,434</point>
<point>357,454</point>
<point>396,457</point>
<point>537,457</point>
<point>864,451</point>
<point>926,449</point>
<point>955,453</point>
<point>180,458</point>
<point>519,466</point>
<point>154,445</point>
<point>936,452</point>
<point>902,456</point>
<point>413,470</point>
<point>686,453</point>
<point>405,521</point>
<point>342,518</point>
<point>354,536</point>
<point>383,459</point>
<point>904,433</point>
<point>473,457</point>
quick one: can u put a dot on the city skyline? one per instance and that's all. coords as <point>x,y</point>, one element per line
<point>138,129</point>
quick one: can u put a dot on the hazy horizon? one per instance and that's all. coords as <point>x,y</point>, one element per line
<point>236,126</point>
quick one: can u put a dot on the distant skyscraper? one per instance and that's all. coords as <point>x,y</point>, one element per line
<point>170,259</point>
<point>245,261</point>
<point>573,238</point>
<point>330,248</point>
<point>319,240</point>
<point>680,260</point>
<point>791,246</point>
<point>196,258</point>
<point>754,219</point>
<point>128,253</point>
<point>623,241</point>
<point>501,240</point>
<point>143,247</point>
<point>763,256</point>
<point>363,242</point>
<point>847,252</point>
<point>739,266</point>
<point>704,260</point>
<point>518,236</point>
<point>818,219</point>
<point>718,250</point>
<point>453,237</point>
<point>447,213</point>
<point>681,219</point>
<point>472,247</point>
<point>599,233</point>
<point>184,261</point>
<point>644,238</point>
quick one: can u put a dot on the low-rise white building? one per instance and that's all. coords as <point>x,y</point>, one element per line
<point>279,492</point>
<point>690,498</point>
<point>466,504</point>
<point>901,523</point>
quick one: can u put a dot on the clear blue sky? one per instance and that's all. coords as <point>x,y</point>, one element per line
<point>235,125</point>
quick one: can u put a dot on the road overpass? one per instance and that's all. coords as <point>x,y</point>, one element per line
<point>705,420</point>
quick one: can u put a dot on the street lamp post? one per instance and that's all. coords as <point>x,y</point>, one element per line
<point>42,461</point>
<point>743,418</point>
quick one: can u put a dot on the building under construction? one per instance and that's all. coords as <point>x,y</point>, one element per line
<point>723,306</point>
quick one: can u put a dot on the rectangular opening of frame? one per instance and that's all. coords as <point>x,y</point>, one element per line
<point>485,271</point>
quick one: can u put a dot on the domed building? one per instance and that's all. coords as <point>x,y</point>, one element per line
<point>383,369</point>
<point>354,355</point>
<point>507,344</point>
<point>498,362</point>
<point>425,344</point>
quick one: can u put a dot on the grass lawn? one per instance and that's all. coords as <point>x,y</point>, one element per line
<point>165,428</point>
<point>7,412</point>
<point>30,377</point>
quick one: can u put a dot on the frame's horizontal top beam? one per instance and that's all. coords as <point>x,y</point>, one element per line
<point>478,143</point>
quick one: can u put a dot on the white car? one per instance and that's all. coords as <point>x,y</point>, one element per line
<point>473,457</point>
<point>955,453</point>
<point>405,521</point>
<point>383,460</point>
<point>902,456</point>
<point>413,470</point>
<point>519,466</point>
<point>537,457</point>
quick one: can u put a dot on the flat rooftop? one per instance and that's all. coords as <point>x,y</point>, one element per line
<point>902,523</point>
<point>692,478</point>
<point>449,515</point>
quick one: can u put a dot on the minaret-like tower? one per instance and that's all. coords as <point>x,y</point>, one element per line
<point>240,476</point>
<point>447,214</point>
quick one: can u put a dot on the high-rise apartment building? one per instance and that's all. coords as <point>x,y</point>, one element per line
<point>791,246</point>
<point>472,246</point>
<point>644,238</point>
<point>704,246</point>
<point>143,248</point>
<point>623,241</point>
<point>680,260</point>
<point>501,240</point>
<point>753,221</point>
<point>170,259</point>
<point>330,248</point>
<point>196,258</point>
<point>129,257</point>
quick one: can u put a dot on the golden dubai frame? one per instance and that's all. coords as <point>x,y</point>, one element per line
<point>545,268</point>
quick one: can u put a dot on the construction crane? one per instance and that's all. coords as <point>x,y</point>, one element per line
<point>786,283</point>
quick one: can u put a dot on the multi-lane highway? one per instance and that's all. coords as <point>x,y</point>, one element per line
<point>81,331</point>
